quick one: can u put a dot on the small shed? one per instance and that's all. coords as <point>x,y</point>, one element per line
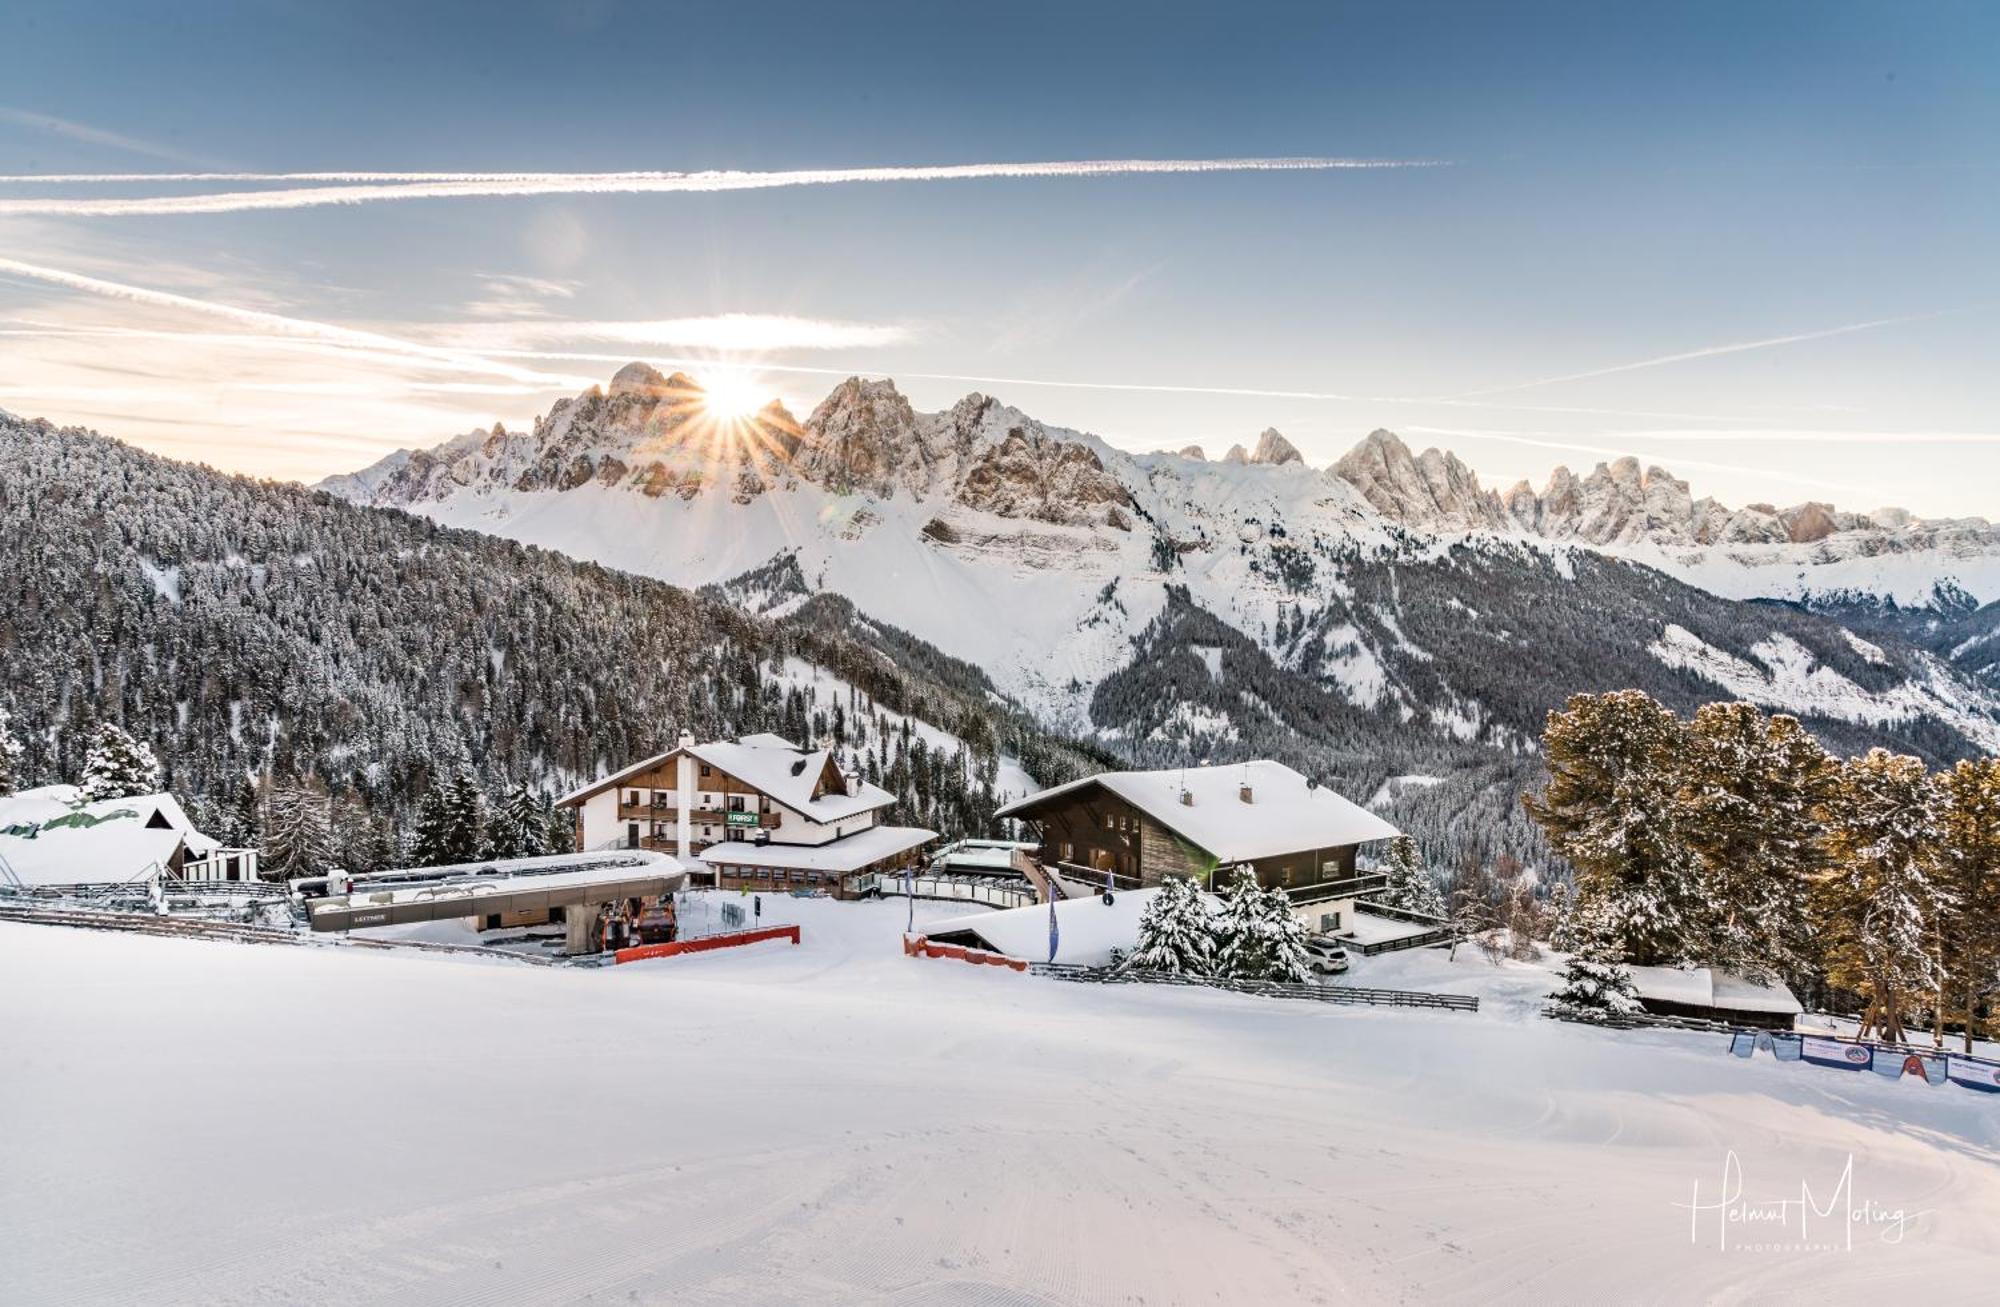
<point>1715,996</point>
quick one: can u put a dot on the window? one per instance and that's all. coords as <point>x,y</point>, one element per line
<point>659,798</point>
<point>632,798</point>
<point>736,803</point>
<point>704,769</point>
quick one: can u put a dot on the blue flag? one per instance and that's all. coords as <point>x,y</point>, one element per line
<point>910,888</point>
<point>1055,932</point>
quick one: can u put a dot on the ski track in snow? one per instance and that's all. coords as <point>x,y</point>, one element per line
<point>200,1122</point>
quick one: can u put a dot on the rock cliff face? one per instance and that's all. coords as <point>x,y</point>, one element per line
<point>1619,503</point>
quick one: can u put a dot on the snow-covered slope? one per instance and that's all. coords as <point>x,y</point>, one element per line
<point>449,1130</point>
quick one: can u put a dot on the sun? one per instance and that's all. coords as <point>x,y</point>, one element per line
<point>733,396</point>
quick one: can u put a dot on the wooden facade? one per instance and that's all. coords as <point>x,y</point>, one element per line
<point>1090,831</point>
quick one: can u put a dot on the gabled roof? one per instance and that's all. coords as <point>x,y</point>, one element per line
<point>1286,814</point>
<point>770,764</point>
<point>848,853</point>
<point>49,837</point>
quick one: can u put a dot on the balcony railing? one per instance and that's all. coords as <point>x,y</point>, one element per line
<point>714,816</point>
<point>1338,889</point>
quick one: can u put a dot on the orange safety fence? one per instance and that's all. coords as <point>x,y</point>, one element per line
<point>917,946</point>
<point>640,952</point>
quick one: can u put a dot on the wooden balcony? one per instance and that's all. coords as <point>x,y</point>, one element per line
<point>667,812</point>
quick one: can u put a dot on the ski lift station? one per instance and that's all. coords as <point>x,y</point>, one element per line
<point>579,891</point>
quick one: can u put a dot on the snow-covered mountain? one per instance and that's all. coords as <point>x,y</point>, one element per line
<point>1810,551</point>
<point>1388,613</point>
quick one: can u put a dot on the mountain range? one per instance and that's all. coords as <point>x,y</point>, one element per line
<point>1387,620</point>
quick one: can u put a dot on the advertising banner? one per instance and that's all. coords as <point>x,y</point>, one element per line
<point>1836,1053</point>
<point>1974,1073</point>
<point>1895,1065</point>
<point>1784,1047</point>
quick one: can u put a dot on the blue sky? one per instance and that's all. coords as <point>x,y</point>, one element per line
<point>1621,184</point>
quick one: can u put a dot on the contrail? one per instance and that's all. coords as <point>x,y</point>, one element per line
<point>369,187</point>
<point>1706,352</point>
<point>279,324</point>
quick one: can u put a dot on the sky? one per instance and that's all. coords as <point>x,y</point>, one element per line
<point>1751,244</point>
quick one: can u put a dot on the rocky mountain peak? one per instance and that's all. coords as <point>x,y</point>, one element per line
<point>1434,489</point>
<point>640,379</point>
<point>1274,449</point>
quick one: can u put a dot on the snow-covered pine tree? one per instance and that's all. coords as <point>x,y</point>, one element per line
<point>433,842</point>
<point>1611,809</point>
<point>520,825</point>
<point>1563,935</point>
<point>118,766</point>
<point>1411,886</point>
<point>1753,796</point>
<point>1176,933</point>
<point>298,836</point>
<point>1877,903</point>
<point>466,809</point>
<point>1290,959</point>
<point>10,755</point>
<point>558,827</point>
<point>1242,943</point>
<point>1969,870</point>
<point>1595,978</point>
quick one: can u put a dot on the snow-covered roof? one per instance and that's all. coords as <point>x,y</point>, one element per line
<point>1088,928</point>
<point>848,853</point>
<point>641,863</point>
<point>49,836</point>
<point>771,764</point>
<point>1701,987</point>
<point>1286,812</point>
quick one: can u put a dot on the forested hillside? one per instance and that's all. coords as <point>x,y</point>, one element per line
<point>249,629</point>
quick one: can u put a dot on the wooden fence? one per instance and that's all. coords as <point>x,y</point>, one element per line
<point>1349,994</point>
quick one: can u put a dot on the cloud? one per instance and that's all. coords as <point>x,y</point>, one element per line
<point>364,188</point>
<point>745,332</point>
<point>278,324</point>
<point>1709,351</point>
<point>85,134</point>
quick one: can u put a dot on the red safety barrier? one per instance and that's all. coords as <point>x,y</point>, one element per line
<point>917,946</point>
<point>641,952</point>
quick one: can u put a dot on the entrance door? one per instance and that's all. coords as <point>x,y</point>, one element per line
<point>631,834</point>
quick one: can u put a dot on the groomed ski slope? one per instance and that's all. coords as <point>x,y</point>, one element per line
<point>835,1123</point>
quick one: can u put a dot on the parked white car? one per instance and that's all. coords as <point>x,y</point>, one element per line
<point>1328,957</point>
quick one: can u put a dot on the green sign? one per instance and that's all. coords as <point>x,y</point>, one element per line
<point>742,819</point>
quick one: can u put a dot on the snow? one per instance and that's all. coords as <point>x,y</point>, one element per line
<point>848,853</point>
<point>1391,789</point>
<point>1364,927</point>
<point>1285,814</point>
<point>1088,928</point>
<point>1787,676</point>
<point>823,689</point>
<point>166,581</point>
<point>118,844</point>
<point>425,1128</point>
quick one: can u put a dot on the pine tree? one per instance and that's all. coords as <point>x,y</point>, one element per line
<point>10,755</point>
<point>558,827</point>
<point>119,767</point>
<point>433,843</point>
<point>1753,796</point>
<point>1969,871</point>
<point>1258,936</point>
<point>298,838</point>
<point>1876,903</point>
<point>1563,934</point>
<point>1595,977</point>
<point>1410,886</point>
<point>1611,809</point>
<point>1175,932</point>
<point>520,825</point>
<point>1291,960</point>
<point>466,812</point>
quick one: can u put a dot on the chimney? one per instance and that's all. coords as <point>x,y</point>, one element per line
<point>1187,798</point>
<point>1243,791</point>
